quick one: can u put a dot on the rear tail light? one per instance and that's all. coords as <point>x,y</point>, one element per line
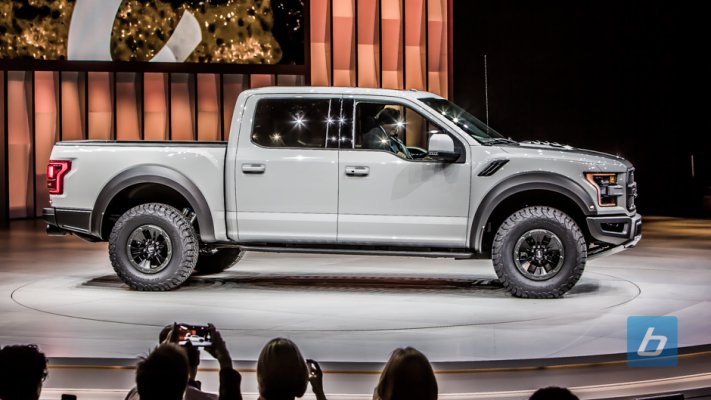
<point>56,170</point>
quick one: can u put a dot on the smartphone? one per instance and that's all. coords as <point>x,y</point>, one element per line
<point>197,335</point>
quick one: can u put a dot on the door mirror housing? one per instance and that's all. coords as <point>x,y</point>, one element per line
<point>441,148</point>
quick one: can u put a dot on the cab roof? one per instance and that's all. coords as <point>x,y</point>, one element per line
<point>295,90</point>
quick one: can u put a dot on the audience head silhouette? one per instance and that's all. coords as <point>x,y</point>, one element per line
<point>191,351</point>
<point>281,371</point>
<point>22,371</point>
<point>553,393</point>
<point>407,375</point>
<point>163,375</point>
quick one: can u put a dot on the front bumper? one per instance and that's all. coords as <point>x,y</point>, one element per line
<point>614,233</point>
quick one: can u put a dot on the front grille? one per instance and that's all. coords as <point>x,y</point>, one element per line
<point>631,190</point>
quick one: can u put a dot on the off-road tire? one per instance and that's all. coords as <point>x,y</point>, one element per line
<point>532,218</point>
<point>222,259</point>
<point>183,239</point>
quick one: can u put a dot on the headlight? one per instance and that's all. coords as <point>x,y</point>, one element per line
<point>606,186</point>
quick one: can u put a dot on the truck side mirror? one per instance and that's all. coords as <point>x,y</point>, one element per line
<point>441,148</point>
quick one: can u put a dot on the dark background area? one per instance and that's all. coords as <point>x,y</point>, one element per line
<point>624,77</point>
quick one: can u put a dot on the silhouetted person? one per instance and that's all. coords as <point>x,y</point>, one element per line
<point>169,358</point>
<point>163,375</point>
<point>384,135</point>
<point>553,393</point>
<point>283,374</point>
<point>407,375</point>
<point>194,388</point>
<point>22,371</point>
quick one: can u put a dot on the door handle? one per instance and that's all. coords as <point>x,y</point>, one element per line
<point>253,168</point>
<point>357,171</point>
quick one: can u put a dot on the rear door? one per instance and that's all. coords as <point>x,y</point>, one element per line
<point>287,170</point>
<point>392,196</point>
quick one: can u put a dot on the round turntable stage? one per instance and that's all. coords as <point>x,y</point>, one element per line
<point>61,294</point>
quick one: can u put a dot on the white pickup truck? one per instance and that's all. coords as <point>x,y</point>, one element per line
<point>347,171</point>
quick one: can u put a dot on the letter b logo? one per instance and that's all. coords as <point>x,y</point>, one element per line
<point>652,341</point>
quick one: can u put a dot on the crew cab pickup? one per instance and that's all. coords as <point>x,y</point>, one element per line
<point>348,171</point>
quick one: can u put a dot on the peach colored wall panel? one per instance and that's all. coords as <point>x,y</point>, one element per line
<point>368,43</point>
<point>73,108</point>
<point>261,80</point>
<point>128,125</point>
<point>320,25</point>
<point>19,145</point>
<point>415,45</point>
<point>232,86</point>
<point>183,107</point>
<point>437,65</point>
<point>392,61</point>
<point>344,47</point>
<point>155,114</point>
<point>46,132</point>
<point>100,98</point>
<point>208,106</point>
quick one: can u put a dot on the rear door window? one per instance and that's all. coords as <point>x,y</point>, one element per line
<point>297,123</point>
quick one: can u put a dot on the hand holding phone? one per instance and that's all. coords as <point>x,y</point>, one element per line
<point>218,349</point>
<point>316,379</point>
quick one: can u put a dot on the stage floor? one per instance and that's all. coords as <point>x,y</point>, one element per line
<point>61,293</point>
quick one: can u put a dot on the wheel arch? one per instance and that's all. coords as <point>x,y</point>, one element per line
<point>524,190</point>
<point>149,184</point>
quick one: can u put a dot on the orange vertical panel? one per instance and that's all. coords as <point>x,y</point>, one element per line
<point>155,107</point>
<point>46,132</point>
<point>72,107</point>
<point>437,63</point>
<point>182,112</point>
<point>415,45</point>
<point>368,43</point>
<point>290,80</point>
<point>100,98</point>
<point>19,145</point>
<point>392,61</point>
<point>320,24</point>
<point>261,80</point>
<point>232,86</point>
<point>344,43</point>
<point>127,118</point>
<point>208,106</point>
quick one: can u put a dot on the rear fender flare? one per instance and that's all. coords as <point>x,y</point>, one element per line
<point>162,176</point>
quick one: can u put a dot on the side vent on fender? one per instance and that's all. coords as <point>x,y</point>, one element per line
<point>492,167</point>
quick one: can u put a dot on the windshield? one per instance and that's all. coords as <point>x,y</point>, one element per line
<point>467,122</point>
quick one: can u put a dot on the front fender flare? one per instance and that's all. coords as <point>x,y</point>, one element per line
<point>521,183</point>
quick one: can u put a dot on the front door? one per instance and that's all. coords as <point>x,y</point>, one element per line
<point>287,170</point>
<point>390,192</point>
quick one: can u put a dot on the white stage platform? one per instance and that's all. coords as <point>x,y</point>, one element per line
<point>61,294</point>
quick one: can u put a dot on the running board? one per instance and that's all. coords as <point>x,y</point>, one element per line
<point>399,253</point>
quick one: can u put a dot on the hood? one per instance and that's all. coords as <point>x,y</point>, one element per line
<point>557,150</point>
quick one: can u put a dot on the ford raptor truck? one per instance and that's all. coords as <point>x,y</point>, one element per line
<point>346,171</point>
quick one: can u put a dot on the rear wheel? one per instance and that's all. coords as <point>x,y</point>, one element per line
<point>153,247</point>
<point>539,252</point>
<point>218,260</point>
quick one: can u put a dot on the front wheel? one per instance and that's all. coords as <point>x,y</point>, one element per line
<point>153,247</point>
<point>539,252</point>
